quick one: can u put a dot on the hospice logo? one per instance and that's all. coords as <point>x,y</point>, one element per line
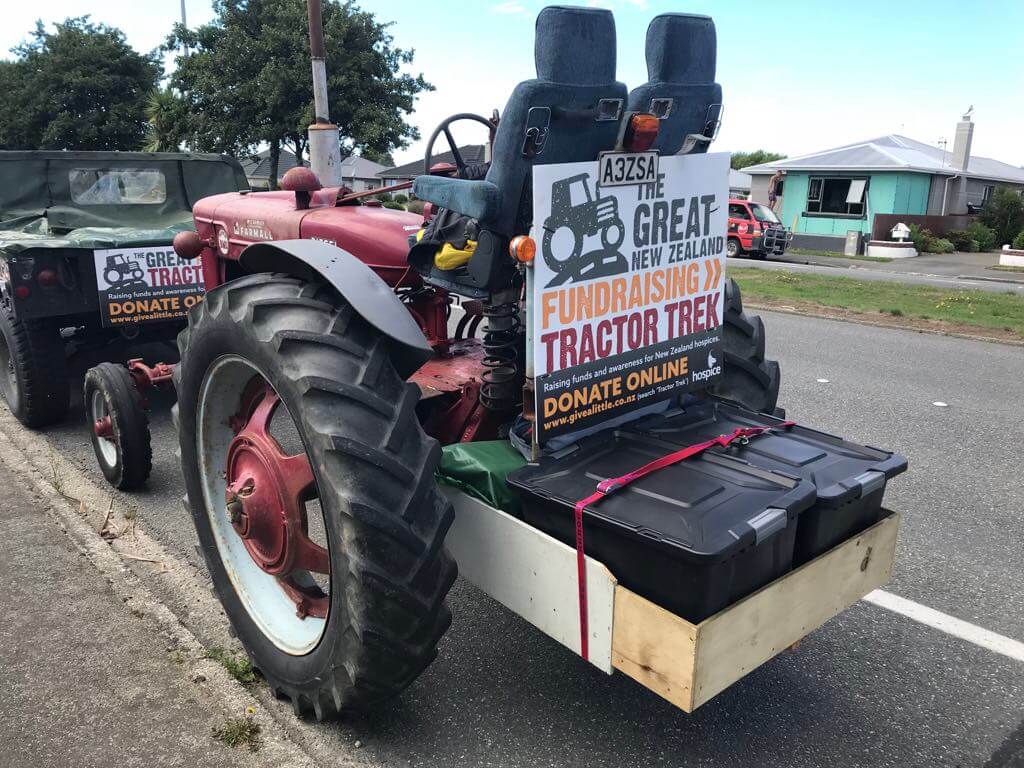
<point>712,370</point>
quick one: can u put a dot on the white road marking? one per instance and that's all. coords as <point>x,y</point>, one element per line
<point>940,404</point>
<point>983,638</point>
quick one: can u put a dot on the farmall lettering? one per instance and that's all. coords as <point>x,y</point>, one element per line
<point>252,229</point>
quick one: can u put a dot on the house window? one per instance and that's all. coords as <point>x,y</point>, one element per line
<point>987,193</point>
<point>836,196</point>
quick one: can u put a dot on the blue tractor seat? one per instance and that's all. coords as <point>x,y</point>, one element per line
<point>569,113</point>
<point>681,52</point>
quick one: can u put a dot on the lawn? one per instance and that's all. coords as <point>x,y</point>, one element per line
<point>979,309</point>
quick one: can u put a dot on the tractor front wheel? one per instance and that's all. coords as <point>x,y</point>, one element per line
<point>311,486</point>
<point>119,426</point>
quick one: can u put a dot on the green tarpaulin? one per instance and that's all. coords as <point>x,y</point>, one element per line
<point>91,237</point>
<point>480,470</point>
<point>94,200</point>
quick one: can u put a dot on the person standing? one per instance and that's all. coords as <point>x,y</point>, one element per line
<point>775,189</point>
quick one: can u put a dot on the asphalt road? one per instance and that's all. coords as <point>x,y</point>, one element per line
<point>871,688</point>
<point>936,275</point>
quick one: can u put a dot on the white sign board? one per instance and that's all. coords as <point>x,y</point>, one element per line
<point>627,298</point>
<point>146,284</point>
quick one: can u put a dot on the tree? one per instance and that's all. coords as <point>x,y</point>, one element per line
<point>79,87</point>
<point>1004,212</point>
<point>384,158</point>
<point>758,156</point>
<point>247,81</point>
<point>164,123</point>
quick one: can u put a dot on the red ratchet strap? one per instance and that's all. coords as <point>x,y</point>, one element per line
<point>613,484</point>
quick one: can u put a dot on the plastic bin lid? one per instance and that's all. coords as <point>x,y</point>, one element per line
<point>702,507</point>
<point>840,470</point>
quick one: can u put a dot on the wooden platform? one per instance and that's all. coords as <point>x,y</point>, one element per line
<point>688,664</point>
<point>534,575</point>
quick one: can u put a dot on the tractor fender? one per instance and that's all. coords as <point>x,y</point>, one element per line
<point>369,296</point>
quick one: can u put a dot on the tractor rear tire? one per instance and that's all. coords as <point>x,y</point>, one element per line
<point>748,379</point>
<point>34,377</point>
<point>126,457</point>
<point>384,518</point>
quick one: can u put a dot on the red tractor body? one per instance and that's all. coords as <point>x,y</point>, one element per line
<point>379,237</point>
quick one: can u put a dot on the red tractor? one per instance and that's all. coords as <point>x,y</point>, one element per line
<point>319,381</point>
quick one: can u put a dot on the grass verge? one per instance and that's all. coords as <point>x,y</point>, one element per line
<point>1006,268</point>
<point>967,312</point>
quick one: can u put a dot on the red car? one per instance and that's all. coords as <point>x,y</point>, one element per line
<point>755,229</point>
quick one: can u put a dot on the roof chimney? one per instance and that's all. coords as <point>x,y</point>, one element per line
<point>962,141</point>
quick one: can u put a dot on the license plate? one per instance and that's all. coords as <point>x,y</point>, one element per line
<point>616,169</point>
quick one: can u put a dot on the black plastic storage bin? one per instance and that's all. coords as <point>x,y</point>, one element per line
<point>693,537</point>
<point>850,479</point>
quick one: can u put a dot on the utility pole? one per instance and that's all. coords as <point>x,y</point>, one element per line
<point>184,23</point>
<point>324,139</point>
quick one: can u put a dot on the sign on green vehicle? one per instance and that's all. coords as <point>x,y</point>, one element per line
<point>145,284</point>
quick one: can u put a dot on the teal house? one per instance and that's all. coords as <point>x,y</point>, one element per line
<point>826,194</point>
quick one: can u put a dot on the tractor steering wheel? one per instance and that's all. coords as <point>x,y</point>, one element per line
<point>443,128</point>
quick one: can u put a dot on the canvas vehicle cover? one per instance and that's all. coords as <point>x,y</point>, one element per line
<point>105,199</point>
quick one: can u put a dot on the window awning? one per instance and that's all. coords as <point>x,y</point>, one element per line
<point>856,193</point>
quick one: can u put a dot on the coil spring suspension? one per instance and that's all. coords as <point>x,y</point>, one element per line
<point>500,381</point>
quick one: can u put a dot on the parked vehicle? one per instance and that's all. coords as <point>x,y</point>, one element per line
<point>755,229</point>
<point>86,257</point>
<point>318,382</point>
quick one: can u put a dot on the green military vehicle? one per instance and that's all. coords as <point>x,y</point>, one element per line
<point>86,257</point>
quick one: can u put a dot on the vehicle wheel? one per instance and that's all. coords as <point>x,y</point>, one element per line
<point>747,377</point>
<point>733,248</point>
<point>33,370</point>
<point>311,485</point>
<point>561,240</point>
<point>112,277</point>
<point>119,425</point>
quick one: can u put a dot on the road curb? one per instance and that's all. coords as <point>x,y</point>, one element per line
<point>131,564</point>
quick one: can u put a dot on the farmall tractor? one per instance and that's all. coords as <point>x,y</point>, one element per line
<point>318,383</point>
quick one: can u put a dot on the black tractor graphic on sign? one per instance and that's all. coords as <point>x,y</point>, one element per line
<point>121,270</point>
<point>576,214</point>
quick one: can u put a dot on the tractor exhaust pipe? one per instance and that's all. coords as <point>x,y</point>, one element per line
<point>324,138</point>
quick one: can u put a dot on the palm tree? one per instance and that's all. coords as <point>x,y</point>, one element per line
<point>163,132</point>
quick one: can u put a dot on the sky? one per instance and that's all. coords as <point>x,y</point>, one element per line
<point>798,75</point>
